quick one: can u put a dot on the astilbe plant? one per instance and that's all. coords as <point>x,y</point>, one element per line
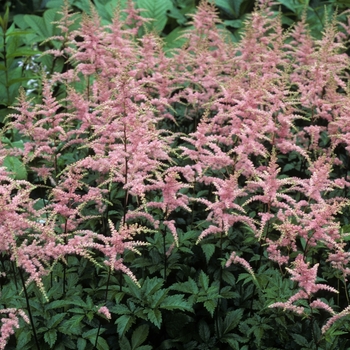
<point>109,162</point>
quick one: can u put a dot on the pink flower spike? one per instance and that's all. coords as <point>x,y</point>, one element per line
<point>235,259</point>
<point>104,311</point>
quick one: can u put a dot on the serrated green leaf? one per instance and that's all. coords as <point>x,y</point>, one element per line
<point>91,333</point>
<point>151,285</point>
<point>157,11</point>
<point>76,300</point>
<point>189,286</point>
<point>56,319</point>
<point>139,336</point>
<point>157,298</point>
<point>204,331</point>
<point>101,343</point>
<point>203,280</point>
<point>81,344</point>
<point>300,340</point>
<point>120,309</point>
<point>124,344</point>
<point>124,323</point>
<point>232,320</point>
<point>50,337</point>
<point>77,310</point>
<point>23,338</point>
<point>208,250</point>
<point>246,277</point>
<point>57,304</point>
<point>228,277</point>
<point>210,305</point>
<point>72,326</point>
<point>176,302</point>
<point>232,341</point>
<point>288,167</point>
<point>155,316</point>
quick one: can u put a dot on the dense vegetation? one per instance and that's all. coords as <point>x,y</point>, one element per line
<point>173,182</point>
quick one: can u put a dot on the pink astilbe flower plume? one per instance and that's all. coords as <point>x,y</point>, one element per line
<point>8,325</point>
<point>235,259</point>
<point>306,279</point>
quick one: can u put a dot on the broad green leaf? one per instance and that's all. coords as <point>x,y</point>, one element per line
<point>139,336</point>
<point>22,52</point>
<point>228,277</point>
<point>17,80</point>
<point>235,23</point>
<point>54,4</point>
<point>290,4</point>
<point>51,16</point>
<point>18,144</point>
<point>204,331</point>
<point>181,19</point>
<point>124,344</point>
<point>157,11</point>
<point>19,33</point>
<point>81,344</point>
<point>231,7</point>
<point>15,167</point>
<point>36,23</point>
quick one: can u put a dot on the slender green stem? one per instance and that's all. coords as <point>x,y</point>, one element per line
<point>29,309</point>
<point>165,257</point>
<point>106,296</point>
